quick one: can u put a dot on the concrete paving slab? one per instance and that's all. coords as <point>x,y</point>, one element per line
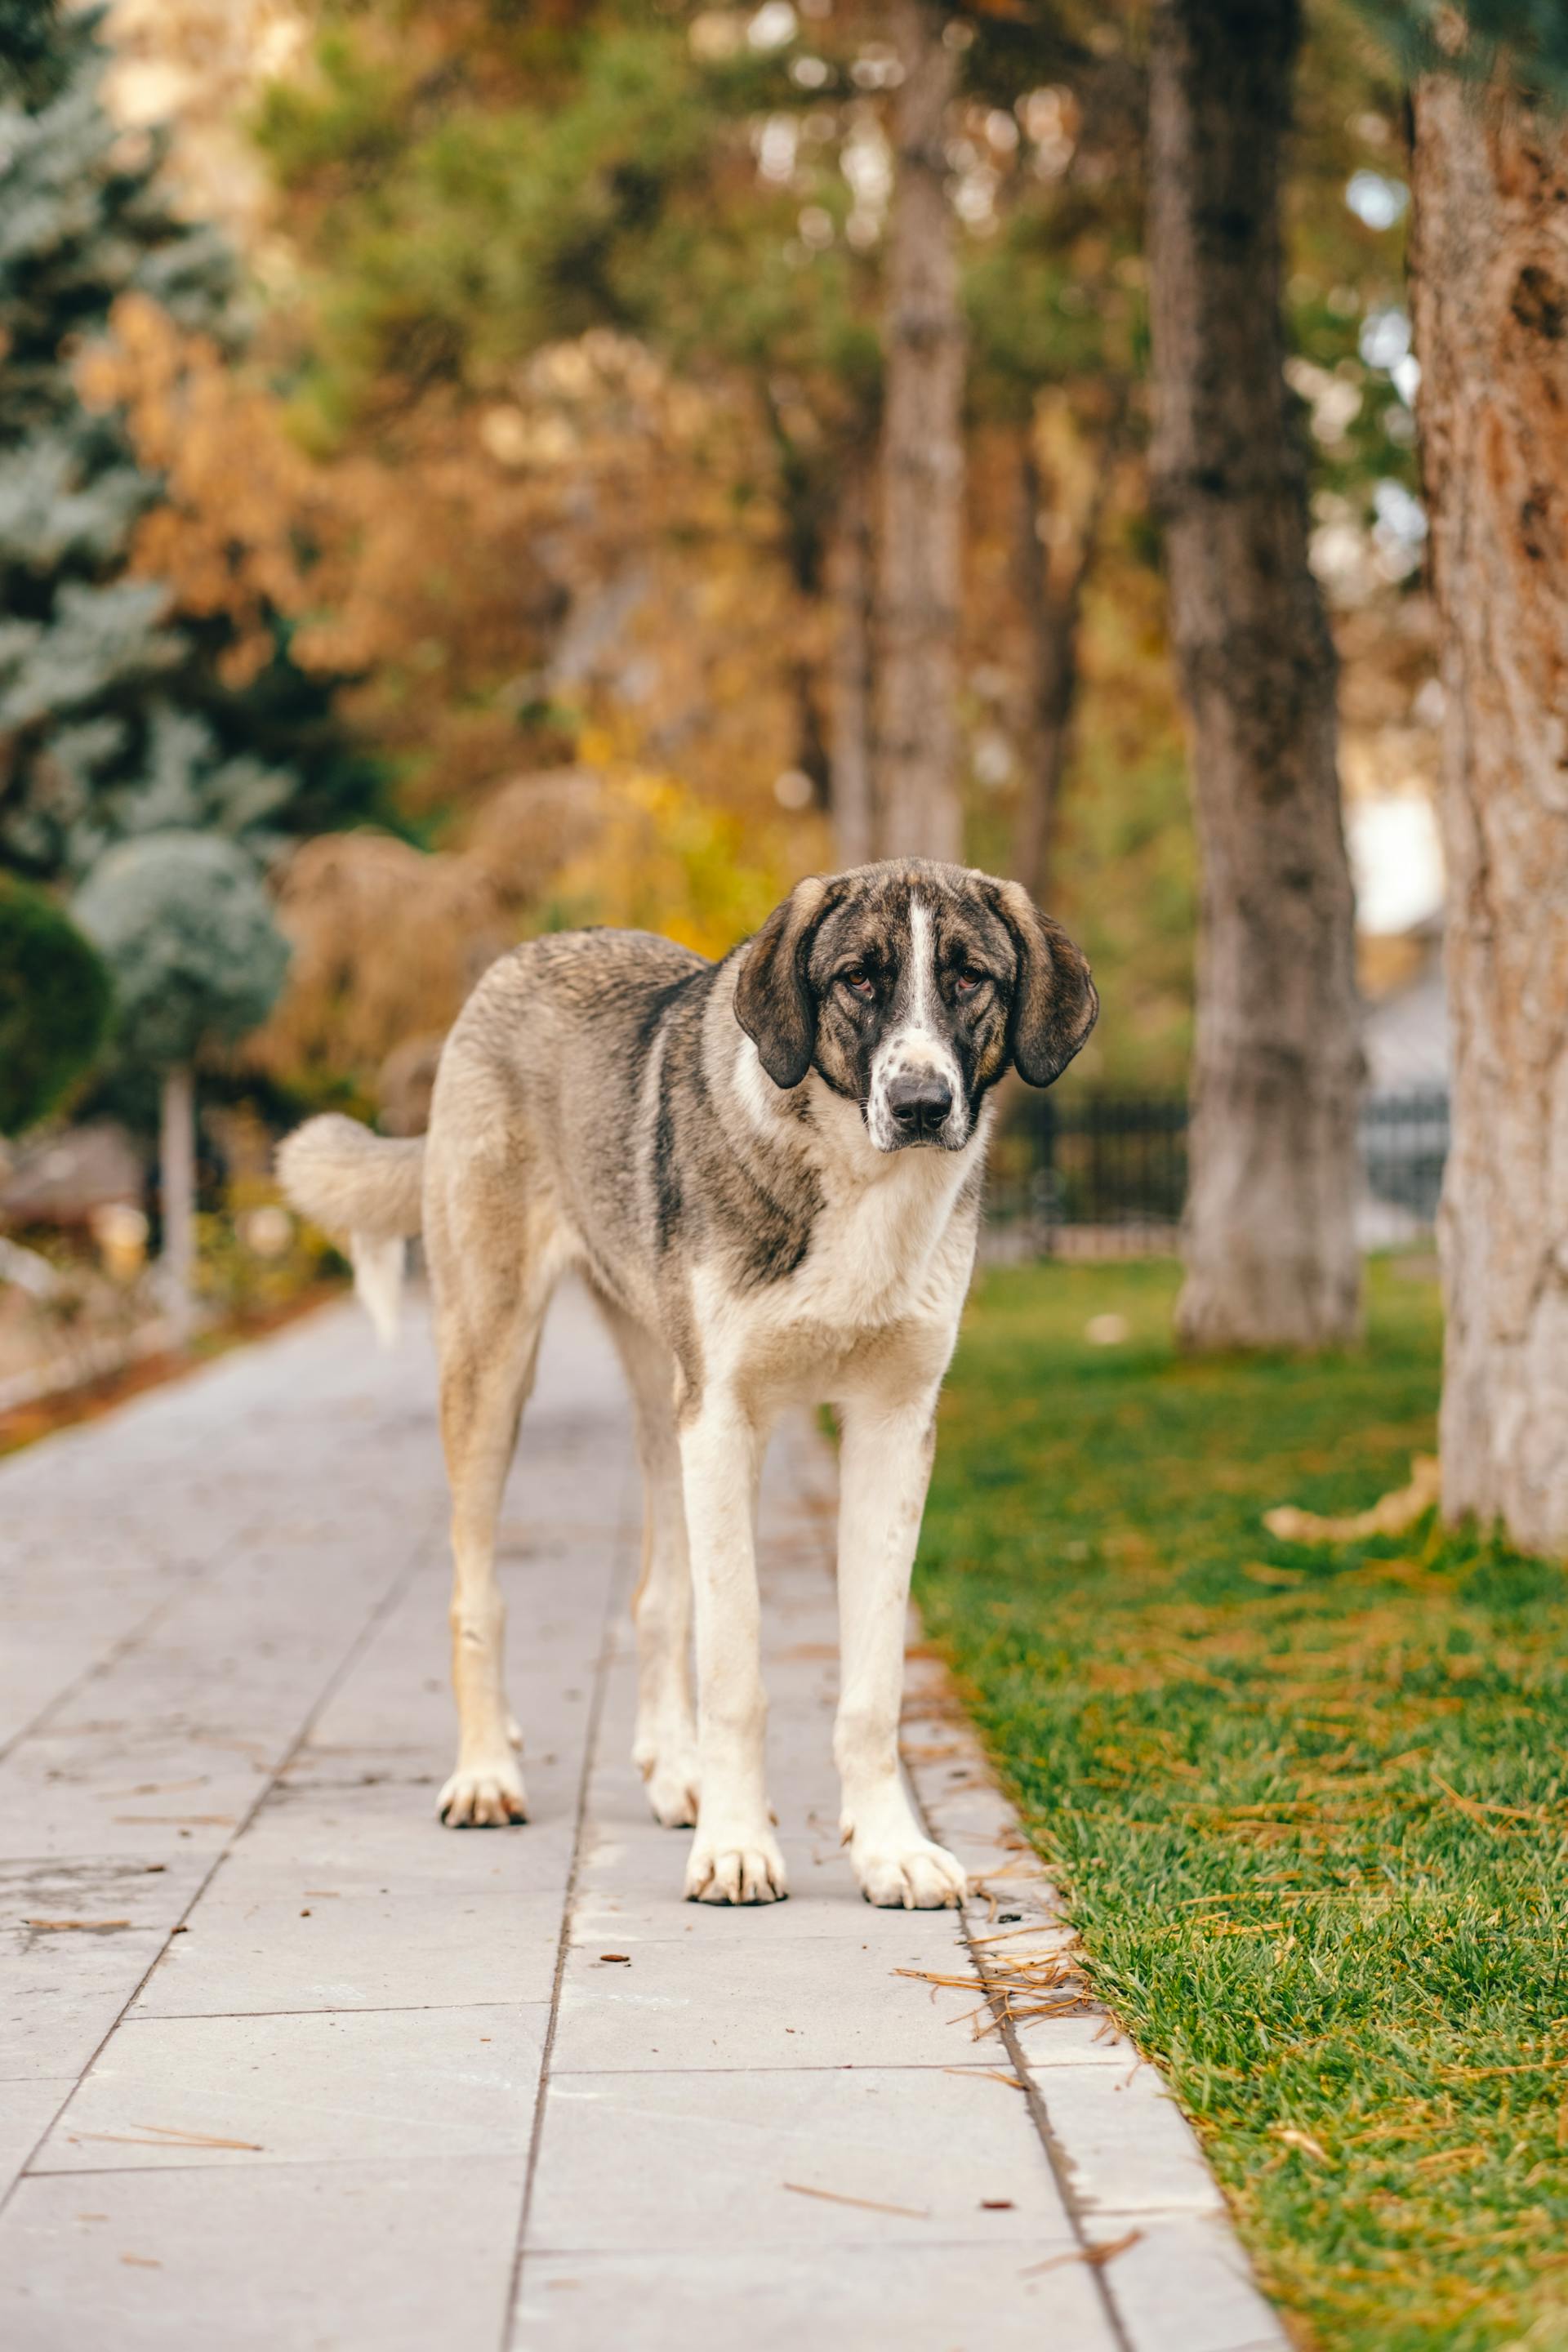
<point>1182,2281</point>
<point>236,1714</point>
<point>1125,2145</point>
<point>303,2088</point>
<point>55,2010</point>
<point>27,2111</point>
<point>721,1998</point>
<point>801,2157</point>
<point>76,1940</point>
<point>946,2298</point>
<point>388,2253</point>
<point>311,1927</point>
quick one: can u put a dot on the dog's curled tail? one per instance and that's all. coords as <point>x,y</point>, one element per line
<point>364,1189</point>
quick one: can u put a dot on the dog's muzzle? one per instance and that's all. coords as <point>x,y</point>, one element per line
<point>919,1108</point>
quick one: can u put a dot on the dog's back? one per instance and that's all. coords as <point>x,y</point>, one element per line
<point>545,1077</point>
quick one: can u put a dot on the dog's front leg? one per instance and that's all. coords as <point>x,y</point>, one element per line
<point>735,1857</point>
<point>884,1464</point>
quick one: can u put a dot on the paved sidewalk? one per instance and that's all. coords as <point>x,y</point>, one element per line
<point>286,2067</point>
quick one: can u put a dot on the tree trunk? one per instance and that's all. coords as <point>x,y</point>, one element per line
<point>1052,617</point>
<point>1269,1238</point>
<point>177,1164</point>
<point>849,589</point>
<point>921,809</point>
<point>1489,273</point>
<point>811,753</point>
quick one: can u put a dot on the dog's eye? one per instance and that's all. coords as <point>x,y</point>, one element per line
<point>968,982</point>
<point>859,983</point>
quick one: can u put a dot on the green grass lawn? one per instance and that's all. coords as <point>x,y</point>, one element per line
<point>1310,1805</point>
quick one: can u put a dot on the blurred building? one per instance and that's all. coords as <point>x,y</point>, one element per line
<point>1396,859</point>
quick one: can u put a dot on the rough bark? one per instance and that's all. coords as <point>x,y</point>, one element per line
<point>177,1164</point>
<point>1489,274</point>
<point>1269,1238</point>
<point>923,463</point>
<point>851,588</point>
<point>1052,615</point>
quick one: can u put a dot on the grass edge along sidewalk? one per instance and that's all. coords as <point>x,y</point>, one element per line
<point>1309,1804</point>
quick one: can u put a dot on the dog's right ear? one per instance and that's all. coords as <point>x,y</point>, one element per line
<point>773,1000</point>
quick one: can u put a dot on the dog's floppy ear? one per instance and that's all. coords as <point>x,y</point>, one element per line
<point>773,1000</point>
<point>1054,1005</point>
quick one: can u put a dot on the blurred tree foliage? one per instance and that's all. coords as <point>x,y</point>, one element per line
<point>572,382</point>
<point>116,714</point>
<point>184,923</point>
<point>55,1000</point>
<point>185,926</point>
<point>622,267</point>
<point>1525,41</point>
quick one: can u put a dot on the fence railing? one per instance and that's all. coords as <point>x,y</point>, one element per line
<point>1106,1175</point>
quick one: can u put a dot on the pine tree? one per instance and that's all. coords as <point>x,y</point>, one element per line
<point>114,720</point>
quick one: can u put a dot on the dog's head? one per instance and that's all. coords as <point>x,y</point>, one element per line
<point>910,987</point>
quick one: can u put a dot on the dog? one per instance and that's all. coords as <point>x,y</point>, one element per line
<point>768,1171</point>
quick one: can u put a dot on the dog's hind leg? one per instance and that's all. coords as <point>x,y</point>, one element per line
<point>665,1745</point>
<point>490,1314</point>
<point>735,1857</point>
<point>884,1465</point>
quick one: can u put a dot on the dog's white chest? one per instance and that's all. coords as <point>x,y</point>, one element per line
<point>886,1271</point>
<point>876,1251</point>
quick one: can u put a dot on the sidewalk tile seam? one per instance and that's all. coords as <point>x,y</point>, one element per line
<point>602,1664</point>
<point>1047,2241</point>
<point>842,2066</point>
<point>324,2008</point>
<point>310,2162</point>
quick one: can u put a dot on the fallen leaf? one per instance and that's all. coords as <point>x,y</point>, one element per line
<point>985,2074</point>
<point>65,1927</point>
<point>168,2135</point>
<point>1096,2256</point>
<point>866,2204</point>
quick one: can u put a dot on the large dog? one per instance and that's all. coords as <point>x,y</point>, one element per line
<point>768,1171</point>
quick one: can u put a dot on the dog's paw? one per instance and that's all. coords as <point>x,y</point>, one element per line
<point>750,1869</point>
<point>919,1876</point>
<point>672,1784</point>
<point>486,1796</point>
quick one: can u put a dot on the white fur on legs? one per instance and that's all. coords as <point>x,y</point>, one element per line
<point>735,1857</point>
<point>664,1746</point>
<point>884,1462</point>
<point>485,1792</point>
<point>480,1404</point>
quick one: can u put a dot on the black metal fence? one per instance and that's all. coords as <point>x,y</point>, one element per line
<point>1106,1175</point>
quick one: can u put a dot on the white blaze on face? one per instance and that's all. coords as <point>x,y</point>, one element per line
<point>914,1044</point>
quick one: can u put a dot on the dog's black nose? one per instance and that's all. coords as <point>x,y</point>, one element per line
<point>920,1105</point>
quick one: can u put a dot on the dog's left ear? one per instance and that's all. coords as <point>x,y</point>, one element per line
<point>1054,1005</point>
<point>773,1000</point>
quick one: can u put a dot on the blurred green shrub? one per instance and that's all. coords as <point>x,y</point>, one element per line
<point>55,1004</point>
